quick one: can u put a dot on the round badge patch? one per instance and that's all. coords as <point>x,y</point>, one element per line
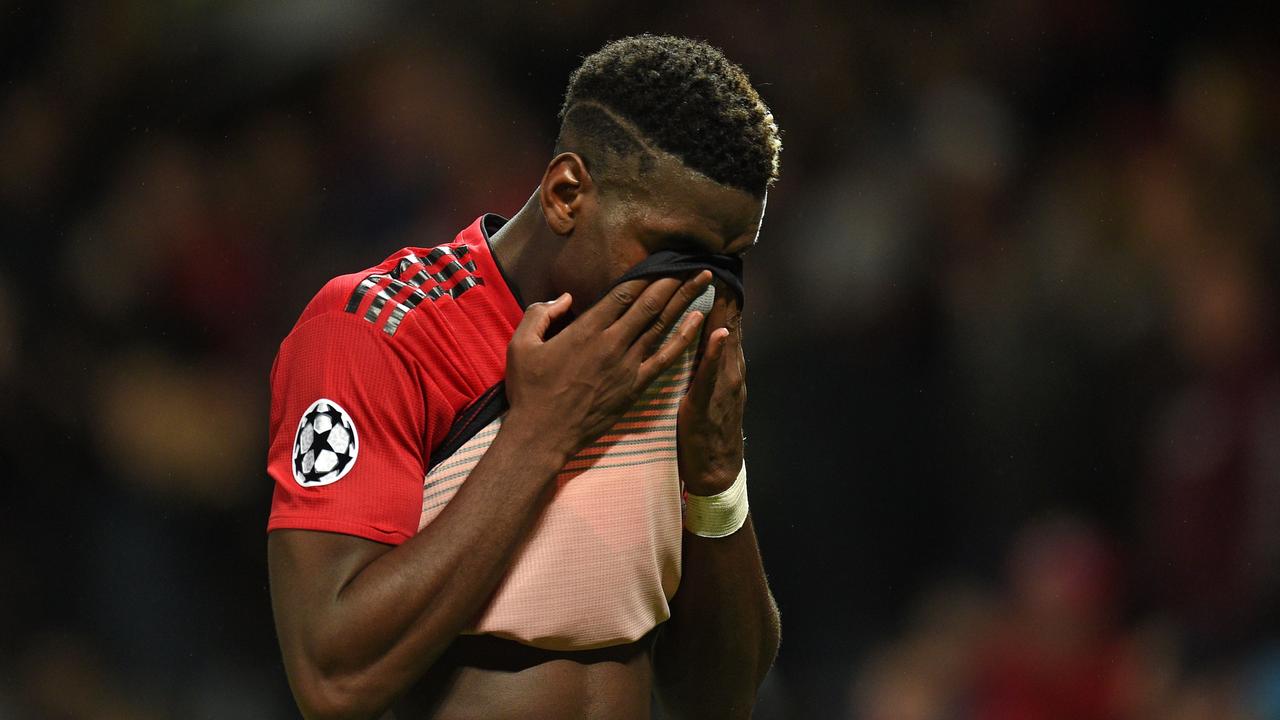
<point>325,446</point>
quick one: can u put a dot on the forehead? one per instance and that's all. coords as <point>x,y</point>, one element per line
<point>673,200</point>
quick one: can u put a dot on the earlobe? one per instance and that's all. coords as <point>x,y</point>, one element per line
<point>564,187</point>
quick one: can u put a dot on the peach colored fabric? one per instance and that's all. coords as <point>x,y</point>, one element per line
<point>604,559</point>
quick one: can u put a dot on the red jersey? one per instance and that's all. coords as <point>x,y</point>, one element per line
<point>371,378</point>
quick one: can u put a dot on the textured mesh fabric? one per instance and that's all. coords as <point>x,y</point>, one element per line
<point>604,559</point>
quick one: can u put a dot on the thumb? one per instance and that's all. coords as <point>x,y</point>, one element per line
<point>539,316</point>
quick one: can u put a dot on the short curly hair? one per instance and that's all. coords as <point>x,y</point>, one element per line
<point>681,96</point>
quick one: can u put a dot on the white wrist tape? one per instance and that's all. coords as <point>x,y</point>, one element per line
<point>719,515</point>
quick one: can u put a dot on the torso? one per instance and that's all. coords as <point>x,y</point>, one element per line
<point>485,677</point>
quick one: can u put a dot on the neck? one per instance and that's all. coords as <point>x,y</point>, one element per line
<point>523,248</point>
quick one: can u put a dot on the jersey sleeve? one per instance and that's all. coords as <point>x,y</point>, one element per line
<point>347,428</point>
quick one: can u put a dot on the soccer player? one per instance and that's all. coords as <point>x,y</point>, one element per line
<point>487,509</point>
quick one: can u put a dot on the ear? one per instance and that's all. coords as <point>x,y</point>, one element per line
<point>567,189</point>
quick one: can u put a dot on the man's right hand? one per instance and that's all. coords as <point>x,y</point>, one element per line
<point>574,386</point>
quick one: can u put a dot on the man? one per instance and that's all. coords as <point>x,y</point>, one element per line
<point>478,509</point>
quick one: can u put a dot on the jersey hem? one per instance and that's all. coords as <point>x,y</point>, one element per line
<point>302,522</point>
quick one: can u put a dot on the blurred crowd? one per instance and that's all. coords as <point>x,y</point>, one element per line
<point>1015,393</point>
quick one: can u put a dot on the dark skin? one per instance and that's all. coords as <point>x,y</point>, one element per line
<point>364,627</point>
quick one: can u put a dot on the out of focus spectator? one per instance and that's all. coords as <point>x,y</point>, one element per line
<point>1053,643</point>
<point>1057,651</point>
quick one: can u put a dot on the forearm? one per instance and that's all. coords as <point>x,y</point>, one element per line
<point>393,618</point>
<point>723,633</point>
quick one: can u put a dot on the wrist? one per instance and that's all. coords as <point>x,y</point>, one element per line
<point>531,438</point>
<point>721,514</point>
<point>710,482</point>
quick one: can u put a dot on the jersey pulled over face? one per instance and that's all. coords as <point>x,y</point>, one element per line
<point>388,391</point>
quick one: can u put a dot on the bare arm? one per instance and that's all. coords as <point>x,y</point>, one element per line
<point>360,622</point>
<point>723,633</point>
<point>724,629</point>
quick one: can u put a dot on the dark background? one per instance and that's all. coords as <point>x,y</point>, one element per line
<point>1014,420</point>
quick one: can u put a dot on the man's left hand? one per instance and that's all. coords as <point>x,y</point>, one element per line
<point>709,424</point>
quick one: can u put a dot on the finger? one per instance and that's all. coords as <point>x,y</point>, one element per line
<point>736,362</point>
<point>658,330</point>
<point>708,370</point>
<point>617,301</point>
<point>733,367</point>
<point>733,312</point>
<point>646,310</point>
<point>680,340</point>
<point>715,319</point>
<point>539,316</point>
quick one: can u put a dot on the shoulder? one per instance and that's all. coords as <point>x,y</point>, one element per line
<point>383,296</point>
<point>446,309</point>
<point>444,312</point>
<point>422,286</point>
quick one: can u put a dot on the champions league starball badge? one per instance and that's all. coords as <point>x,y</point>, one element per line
<point>325,446</point>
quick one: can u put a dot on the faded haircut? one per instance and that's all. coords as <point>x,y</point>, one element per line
<point>680,96</point>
